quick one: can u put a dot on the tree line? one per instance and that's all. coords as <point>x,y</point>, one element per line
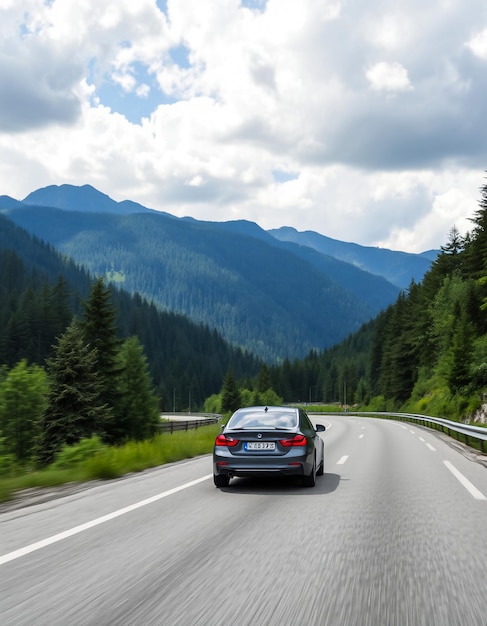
<point>93,384</point>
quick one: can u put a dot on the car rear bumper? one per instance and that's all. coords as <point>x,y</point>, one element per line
<point>235,469</point>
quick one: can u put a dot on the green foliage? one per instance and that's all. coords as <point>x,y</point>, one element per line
<point>246,397</point>
<point>71,456</point>
<point>213,404</point>
<point>377,404</point>
<point>33,311</point>
<point>230,394</point>
<point>264,379</point>
<point>75,408</point>
<point>100,332</point>
<point>478,369</point>
<point>22,399</point>
<point>8,462</point>
<point>97,385</point>
<point>445,309</point>
<point>266,398</point>
<point>136,456</point>
<point>137,410</point>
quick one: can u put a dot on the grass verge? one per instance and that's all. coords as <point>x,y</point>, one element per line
<point>112,462</point>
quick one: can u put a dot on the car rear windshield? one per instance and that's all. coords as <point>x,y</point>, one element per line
<point>261,419</point>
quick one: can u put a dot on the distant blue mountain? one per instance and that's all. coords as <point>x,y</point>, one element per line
<point>399,268</point>
<point>85,198</point>
<point>6,202</point>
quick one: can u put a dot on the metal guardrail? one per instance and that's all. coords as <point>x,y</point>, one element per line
<point>190,423</point>
<point>452,429</point>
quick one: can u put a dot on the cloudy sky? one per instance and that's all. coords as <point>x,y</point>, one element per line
<point>364,121</point>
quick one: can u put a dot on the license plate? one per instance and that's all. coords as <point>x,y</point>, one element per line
<point>260,445</point>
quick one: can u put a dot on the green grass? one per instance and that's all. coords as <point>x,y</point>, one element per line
<point>106,462</point>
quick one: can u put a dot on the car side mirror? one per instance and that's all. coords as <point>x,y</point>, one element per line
<point>320,428</point>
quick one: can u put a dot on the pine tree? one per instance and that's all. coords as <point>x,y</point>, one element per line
<point>460,351</point>
<point>454,244</point>
<point>59,304</point>
<point>138,413</point>
<point>264,380</point>
<point>476,251</point>
<point>398,365</point>
<point>75,407</point>
<point>230,393</point>
<point>100,331</point>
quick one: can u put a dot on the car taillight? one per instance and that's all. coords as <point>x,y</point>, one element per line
<point>297,440</point>
<point>222,440</point>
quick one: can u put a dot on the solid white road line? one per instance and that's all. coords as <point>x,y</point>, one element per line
<point>16,554</point>
<point>473,491</point>
<point>342,460</point>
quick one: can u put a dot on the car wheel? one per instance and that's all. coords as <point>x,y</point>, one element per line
<point>310,481</point>
<point>221,480</point>
<point>321,468</point>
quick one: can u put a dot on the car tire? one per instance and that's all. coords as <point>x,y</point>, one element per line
<point>310,481</point>
<point>321,468</point>
<point>221,480</point>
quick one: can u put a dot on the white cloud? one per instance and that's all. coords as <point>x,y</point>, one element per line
<point>390,31</point>
<point>388,77</point>
<point>126,81</point>
<point>142,90</point>
<point>478,45</point>
<point>378,114</point>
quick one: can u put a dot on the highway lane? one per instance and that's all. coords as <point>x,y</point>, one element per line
<point>393,534</point>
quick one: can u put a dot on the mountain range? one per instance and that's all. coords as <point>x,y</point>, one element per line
<point>277,293</point>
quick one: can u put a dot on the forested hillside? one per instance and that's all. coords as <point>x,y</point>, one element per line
<point>276,299</point>
<point>425,353</point>
<point>40,291</point>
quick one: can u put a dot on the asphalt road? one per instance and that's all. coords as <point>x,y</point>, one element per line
<point>394,534</point>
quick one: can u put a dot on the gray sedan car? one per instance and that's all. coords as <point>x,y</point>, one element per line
<point>269,441</point>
